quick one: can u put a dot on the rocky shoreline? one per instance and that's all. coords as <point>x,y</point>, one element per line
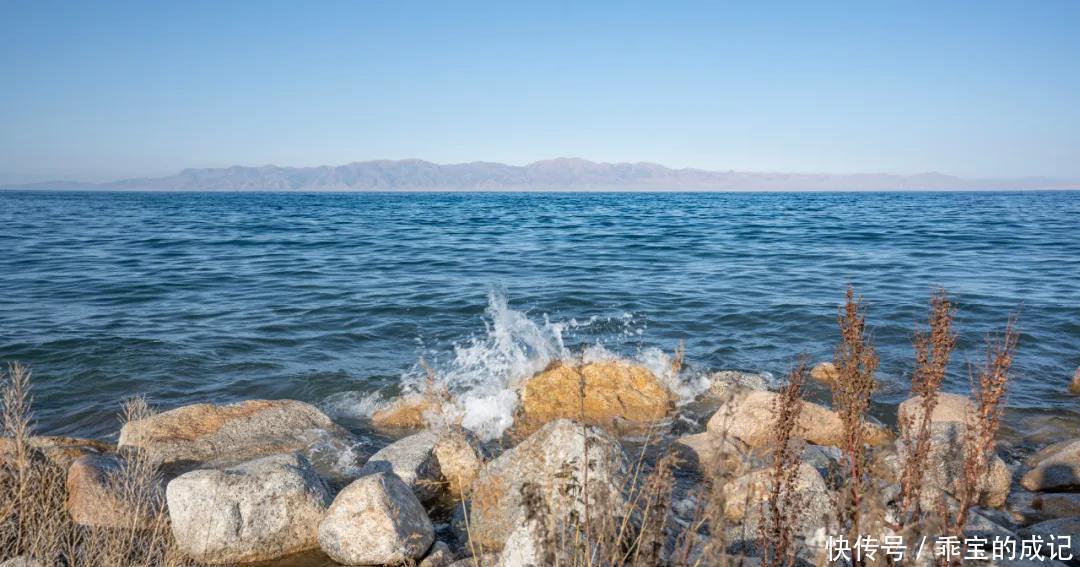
<point>249,482</point>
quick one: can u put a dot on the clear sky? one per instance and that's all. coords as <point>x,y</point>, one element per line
<point>102,90</point>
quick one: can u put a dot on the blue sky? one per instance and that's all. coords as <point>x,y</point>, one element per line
<point>103,90</point>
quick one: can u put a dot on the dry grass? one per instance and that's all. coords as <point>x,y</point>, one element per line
<point>856,361</point>
<point>784,506</point>
<point>33,520</point>
<point>933,349</point>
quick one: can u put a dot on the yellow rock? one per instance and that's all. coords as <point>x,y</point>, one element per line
<point>598,393</point>
<point>407,412</point>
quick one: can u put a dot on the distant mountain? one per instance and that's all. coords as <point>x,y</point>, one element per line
<point>555,174</point>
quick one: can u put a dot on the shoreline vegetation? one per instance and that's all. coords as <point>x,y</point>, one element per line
<point>593,472</point>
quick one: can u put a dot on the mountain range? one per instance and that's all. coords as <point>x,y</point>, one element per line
<point>555,174</point>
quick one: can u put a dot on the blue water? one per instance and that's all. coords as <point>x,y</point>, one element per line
<point>191,297</point>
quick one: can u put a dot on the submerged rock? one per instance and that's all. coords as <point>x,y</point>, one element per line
<point>1074,385</point>
<point>614,392</point>
<point>1055,468</point>
<point>232,433</point>
<point>376,520</point>
<point>749,418</point>
<point>549,466</point>
<point>104,492</point>
<point>263,509</point>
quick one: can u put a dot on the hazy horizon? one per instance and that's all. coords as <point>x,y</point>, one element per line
<point>115,90</point>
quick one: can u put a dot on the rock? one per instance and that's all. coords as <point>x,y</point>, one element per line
<point>945,467</point>
<point>952,408</point>
<point>438,556</point>
<point>229,434</point>
<point>727,383</point>
<point>1053,533</point>
<point>105,492</point>
<point>485,560</point>
<point>60,451</point>
<point>749,418</point>
<point>745,495</point>
<point>615,393</point>
<point>413,460</point>
<point>825,372</point>
<point>460,456</point>
<point>376,520</point>
<point>1058,504</point>
<point>260,510</point>
<point>1056,469</point>
<point>1074,385</point>
<point>21,561</point>
<point>526,548</point>
<point>549,464</point>
<point>708,451</point>
<point>411,411</point>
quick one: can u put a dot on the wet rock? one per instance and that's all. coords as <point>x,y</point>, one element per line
<point>952,408</point>
<point>413,460</point>
<point>749,418</point>
<point>615,392</point>
<point>825,372</point>
<point>228,434</point>
<point>105,492</point>
<point>549,467</point>
<point>438,556</point>
<point>727,383</point>
<point>708,452</point>
<point>1058,505</point>
<point>460,456</point>
<point>376,520</point>
<point>1055,468</point>
<point>945,467</point>
<point>1074,385</point>
<point>1053,533</point>
<point>411,411</point>
<point>260,510</point>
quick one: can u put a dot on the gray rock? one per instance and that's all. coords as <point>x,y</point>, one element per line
<point>1052,532</point>
<point>549,466</point>
<point>256,511</point>
<point>215,436</point>
<point>413,460</point>
<point>376,520</point>
<point>945,467</point>
<point>438,556</point>
<point>1055,468</point>
<point>726,383</point>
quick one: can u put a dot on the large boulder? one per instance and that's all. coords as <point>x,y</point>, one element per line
<point>461,457</point>
<point>615,393</point>
<point>105,491</point>
<point>376,520</point>
<point>749,418</point>
<point>1055,468</point>
<point>950,408</point>
<point>944,469</point>
<point>256,511</point>
<point>550,467</point>
<point>221,435</point>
